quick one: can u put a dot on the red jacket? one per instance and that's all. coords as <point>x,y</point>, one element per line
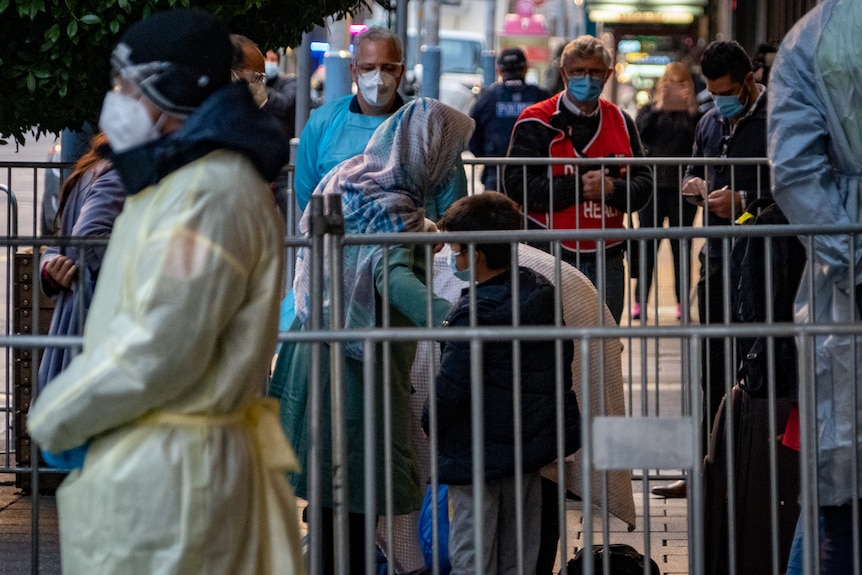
<point>543,130</point>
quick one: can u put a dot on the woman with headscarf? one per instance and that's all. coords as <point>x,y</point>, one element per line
<point>667,129</point>
<point>413,154</point>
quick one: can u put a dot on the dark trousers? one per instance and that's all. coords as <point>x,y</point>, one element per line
<point>356,543</point>
<point>836,544</point>
<point>710,303</point>
<point>665,205</point>
<point>550,531</point>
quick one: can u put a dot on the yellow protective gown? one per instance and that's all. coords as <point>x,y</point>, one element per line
<point>185,472</point>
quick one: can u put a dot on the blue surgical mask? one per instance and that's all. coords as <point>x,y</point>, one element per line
<point>463,275</point>
<point>271,70</point>
<point>728,106</point>
<point>585,88</point>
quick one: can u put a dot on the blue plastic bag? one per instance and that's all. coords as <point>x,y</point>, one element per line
<point>426,523</point>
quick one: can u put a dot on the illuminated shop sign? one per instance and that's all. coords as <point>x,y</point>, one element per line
<point>646,12</point>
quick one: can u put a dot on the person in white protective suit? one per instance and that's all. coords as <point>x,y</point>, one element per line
<point>815,148</point>
<point>181,461</point>
<point>341,129</point>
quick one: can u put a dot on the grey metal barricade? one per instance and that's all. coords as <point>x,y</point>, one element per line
<point>656,438</point>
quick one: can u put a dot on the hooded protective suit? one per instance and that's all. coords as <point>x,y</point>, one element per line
<point>815,145</point>
<point>185,471</point>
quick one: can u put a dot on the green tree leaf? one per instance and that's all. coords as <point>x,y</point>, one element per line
<point>47,54</point>
<point>53,33</point>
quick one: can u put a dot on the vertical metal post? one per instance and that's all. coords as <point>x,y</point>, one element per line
<point>431,55</point>
<point>401,29</point>
<point>809,508</point>
<point>696,504</point>
<point>338,80</point>
<point>369,423</point>
<point>489,70</point>
<point>317,231</point>
<point>303,84</point>
<point>586,458</point>
<point>724,12</point>
<point>335,235</point>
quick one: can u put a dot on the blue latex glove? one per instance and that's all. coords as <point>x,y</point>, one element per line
<point>67,460</point>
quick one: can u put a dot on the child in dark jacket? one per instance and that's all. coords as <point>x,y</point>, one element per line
<point>543,373</point>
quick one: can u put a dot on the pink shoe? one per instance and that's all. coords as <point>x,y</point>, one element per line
<point>636,310</point>
<point>678,311</point>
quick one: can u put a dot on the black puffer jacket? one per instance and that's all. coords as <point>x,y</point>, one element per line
<point>538,377</point>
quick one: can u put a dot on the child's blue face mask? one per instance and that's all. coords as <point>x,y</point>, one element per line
<point>463,275</point>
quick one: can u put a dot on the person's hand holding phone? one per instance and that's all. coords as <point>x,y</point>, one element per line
<point>694,190</point>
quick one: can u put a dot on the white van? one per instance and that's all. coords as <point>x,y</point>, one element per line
<point>460,67</point>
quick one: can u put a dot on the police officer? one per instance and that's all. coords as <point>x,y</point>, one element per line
<point>497,109</point>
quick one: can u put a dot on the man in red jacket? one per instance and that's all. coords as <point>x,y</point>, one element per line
<point>577,123</point>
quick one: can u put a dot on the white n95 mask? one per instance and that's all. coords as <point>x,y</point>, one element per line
<point>126,122</point>
<point>377,87</point>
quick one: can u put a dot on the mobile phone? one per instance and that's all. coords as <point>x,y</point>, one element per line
<point>695,199</point>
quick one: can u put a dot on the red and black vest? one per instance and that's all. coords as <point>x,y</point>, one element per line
<point>611,140</point>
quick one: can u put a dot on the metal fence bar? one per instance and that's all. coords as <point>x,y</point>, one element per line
<point>600,433</point>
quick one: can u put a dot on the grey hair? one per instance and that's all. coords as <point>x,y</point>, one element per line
<point>586,46</point>
<point>379,34</point>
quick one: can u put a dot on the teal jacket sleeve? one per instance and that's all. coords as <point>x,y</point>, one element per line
<point>407,292</point>
<point>307,178</point>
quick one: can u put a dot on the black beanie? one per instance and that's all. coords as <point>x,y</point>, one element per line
<point>194,43</point>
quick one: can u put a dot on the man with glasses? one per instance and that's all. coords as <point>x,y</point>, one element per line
<point>577,123</point>
<point>248,65</point>
<point>734,128</point>
<point>341,129</point>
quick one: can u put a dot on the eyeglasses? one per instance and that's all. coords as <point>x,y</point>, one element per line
<point>391,68</point>
<point>249,76</point>
<point>597,73</point>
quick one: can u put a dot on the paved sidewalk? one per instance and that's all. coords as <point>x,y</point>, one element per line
<point>16,531</point>
<point>668,524</point>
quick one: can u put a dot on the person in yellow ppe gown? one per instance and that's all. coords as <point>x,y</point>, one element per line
<point>180,460</point>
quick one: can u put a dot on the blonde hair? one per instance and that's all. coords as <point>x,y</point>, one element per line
<point>676,70</point>
<point>586,46</point>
